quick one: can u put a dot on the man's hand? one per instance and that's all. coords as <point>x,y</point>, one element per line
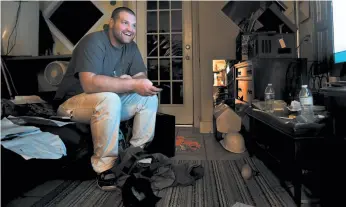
<point>144,87</point>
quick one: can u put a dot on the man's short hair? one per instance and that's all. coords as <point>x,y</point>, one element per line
<point>116,12</point>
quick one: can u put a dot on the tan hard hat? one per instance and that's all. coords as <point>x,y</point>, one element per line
<point>233,142</point>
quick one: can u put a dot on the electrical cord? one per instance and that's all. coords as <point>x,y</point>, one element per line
<point>14,30</point>
<point>306,38</point>
<point>315,82</point>
<point>7,74</point>
<point>292,79</point>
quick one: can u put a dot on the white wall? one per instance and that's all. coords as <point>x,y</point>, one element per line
<point>217,36</point>
<point>27,28</point>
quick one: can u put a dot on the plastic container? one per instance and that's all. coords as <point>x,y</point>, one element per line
<point>307,104</point>
<point>269,97</point>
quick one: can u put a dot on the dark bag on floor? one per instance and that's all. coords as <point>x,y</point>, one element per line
<point>137,192</point>
<point>142,176</point>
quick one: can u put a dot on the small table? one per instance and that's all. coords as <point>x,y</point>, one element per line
<point>293,146</point>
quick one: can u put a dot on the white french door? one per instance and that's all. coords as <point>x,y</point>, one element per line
<point>164,37</point>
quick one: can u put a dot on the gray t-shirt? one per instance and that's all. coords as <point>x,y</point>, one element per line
<point>95,53</point>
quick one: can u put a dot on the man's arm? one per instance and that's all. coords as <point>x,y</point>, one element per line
<point>93,83</point>
<point>140,75</point>
<point>89,56</point>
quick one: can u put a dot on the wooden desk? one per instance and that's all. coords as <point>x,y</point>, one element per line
<point>290,148</point>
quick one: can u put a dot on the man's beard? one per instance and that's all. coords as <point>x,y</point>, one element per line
<point>118,37</point>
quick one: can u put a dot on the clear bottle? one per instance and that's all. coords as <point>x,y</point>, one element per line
<point>307,104</point>
<point>269,97</point>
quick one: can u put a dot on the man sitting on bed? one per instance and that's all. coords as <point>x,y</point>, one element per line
<point>106,83</point>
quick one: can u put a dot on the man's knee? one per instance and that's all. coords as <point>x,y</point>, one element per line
<point>81,108</point>
<point>153,102</point>
<point>109,101</point>
<point>109,97</point>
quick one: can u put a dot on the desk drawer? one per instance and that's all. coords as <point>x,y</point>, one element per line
<point>244,69</point>
<point>244,72</point>
<point>245,90</point>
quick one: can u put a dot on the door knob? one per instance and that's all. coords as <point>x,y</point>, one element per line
<point>187,47</point>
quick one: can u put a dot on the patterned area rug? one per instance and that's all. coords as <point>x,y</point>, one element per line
<point>222,185</point>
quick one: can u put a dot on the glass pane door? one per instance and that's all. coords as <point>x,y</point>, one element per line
<point>164,49</point>
<point>164,37</point>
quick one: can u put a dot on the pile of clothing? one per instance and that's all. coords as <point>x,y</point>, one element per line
<point>142,176</point>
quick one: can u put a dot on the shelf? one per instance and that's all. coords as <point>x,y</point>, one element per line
<point>37,57</point>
